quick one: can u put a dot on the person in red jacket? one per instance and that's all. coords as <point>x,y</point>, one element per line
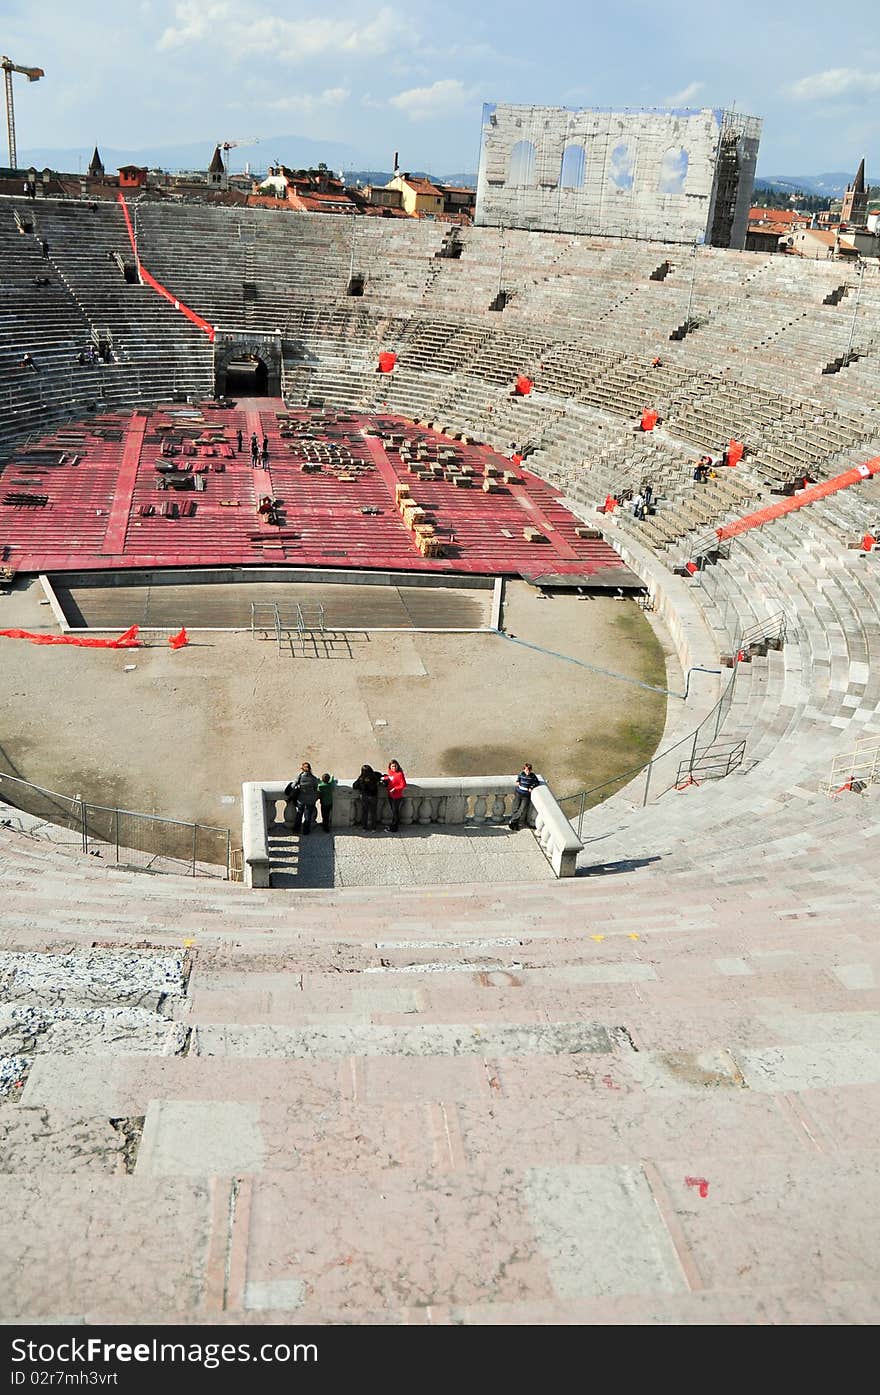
<point>395,788</point>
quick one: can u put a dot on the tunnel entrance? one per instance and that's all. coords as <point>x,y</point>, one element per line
<point>247,376</point>
<point>247,365</point>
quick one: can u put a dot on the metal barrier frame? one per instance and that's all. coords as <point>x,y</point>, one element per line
<point>104,829</point>
<point>693,758</point>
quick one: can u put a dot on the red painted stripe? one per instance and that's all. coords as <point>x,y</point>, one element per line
<point>157,286</point>
<point>383,465</point>
<point>117,524</point>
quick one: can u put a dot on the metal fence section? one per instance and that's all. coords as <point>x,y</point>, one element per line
<point>696,757</point>
<point>854,769</point>
<point>306,622</point>
<point>771,631</point>
<point>148,842</point>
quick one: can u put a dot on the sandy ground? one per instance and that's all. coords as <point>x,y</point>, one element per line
<point>177,733</point>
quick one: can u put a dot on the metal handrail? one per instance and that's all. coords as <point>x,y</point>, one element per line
<point>688,765</point>
<point>73,812</point>
<point>862,764</point>
<point>774,627</point>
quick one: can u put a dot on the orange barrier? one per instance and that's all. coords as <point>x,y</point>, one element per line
<point>129,640</point>
<point>735,452</point>
<point>649,419</point>
<point>151,281</point>
<point>799,500</point>
<point>523,386</point>
<point>387,361</point>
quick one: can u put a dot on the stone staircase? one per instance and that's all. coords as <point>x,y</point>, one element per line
<point>645,1097</point>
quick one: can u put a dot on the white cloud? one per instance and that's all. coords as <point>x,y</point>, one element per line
<point>194,21</point>
<point>243,30</point>
<point>309,101</point>
<point>442,98</point>
<point>685,96</point>
<point>835,82</point>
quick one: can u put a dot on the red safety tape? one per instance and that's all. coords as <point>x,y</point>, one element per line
<point>129,640</point>
<point>157,285</point>
<point>804,497</point>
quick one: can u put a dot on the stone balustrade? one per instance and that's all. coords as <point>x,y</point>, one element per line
<point>485,800</point>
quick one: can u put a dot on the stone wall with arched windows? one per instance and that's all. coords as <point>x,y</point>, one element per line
<point>647,174</point>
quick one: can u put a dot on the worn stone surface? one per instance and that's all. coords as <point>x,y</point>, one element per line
<point>198,1139</point>
<point>26,1028</point>
<point>536,1104</point>
<point>44,1141</point>
<point>95,977</point>
<point>13,1070</point>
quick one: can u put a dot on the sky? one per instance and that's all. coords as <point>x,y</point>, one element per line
<point>411,75</point>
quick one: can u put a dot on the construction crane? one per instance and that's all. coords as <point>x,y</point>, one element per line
<point>32,75</point>
<point>227,145</point>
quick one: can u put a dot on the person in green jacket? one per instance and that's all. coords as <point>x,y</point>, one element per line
<point>325,799</point>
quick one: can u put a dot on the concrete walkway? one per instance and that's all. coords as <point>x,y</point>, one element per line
<point>414,856</point>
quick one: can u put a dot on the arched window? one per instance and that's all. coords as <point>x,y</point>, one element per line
<point>521,169</point>
<point>621,171</point>
<point>571,175</point>
<point>673,171</point>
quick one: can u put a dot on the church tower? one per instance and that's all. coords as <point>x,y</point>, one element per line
<point>855,200</point>
<point>217,171</point>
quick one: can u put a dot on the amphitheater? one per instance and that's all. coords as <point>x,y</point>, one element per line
<point>643,1094</point>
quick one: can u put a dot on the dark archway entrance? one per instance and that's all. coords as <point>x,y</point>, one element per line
<point>247,365</point>
<point>247,376</point>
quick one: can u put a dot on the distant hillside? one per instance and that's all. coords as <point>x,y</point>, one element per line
<point>826,186</point>
<point>466,181</point>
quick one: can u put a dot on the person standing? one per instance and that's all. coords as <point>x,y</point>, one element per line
<point>526,781</point>
<point>240,439</point>
<point>395,788</point>
<point>325,800</point>
<point>265,451</point>
<point>367,786</point>
<point>304,792</point>
<point>255,449</point>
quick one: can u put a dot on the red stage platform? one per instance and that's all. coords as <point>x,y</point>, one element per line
<point>334,475</point>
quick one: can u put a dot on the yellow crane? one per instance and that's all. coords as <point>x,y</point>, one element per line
<point>32,75</point>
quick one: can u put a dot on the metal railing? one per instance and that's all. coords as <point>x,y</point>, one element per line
<point>858,767</point>
<point>772,630</point>
<point>148,842</point>
<point>690,761</point>
<point>306,622</point>
<point>266,616</point>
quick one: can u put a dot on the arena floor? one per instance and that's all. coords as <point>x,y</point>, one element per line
<point>176,733</point>
<point>91,496</point>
